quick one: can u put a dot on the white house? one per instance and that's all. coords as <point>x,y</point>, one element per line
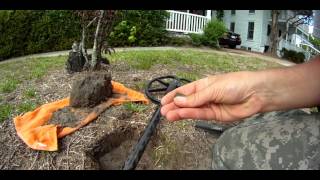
<point>252,25</point>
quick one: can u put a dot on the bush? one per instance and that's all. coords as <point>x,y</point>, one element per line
<point>197,39</point>
<point>140,28</point>
<point>315,41</point>
<point>179,41</point>
<point>120,35</point>
<point>211,34</point>
<point>294,56</point>
<point>26,31</point>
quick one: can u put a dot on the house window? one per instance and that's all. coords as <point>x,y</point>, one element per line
<point>252,11</point>
<point>280,33</point>
<point>250,30</point>
<point>232,26</point>
<point>233,12</point>
<point>269,30</point>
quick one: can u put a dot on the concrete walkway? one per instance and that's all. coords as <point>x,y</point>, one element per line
<point>232,52</point>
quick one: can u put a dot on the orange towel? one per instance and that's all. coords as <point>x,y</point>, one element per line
<point>31,126</point>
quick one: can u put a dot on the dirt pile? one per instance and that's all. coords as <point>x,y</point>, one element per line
<point>91,89</point>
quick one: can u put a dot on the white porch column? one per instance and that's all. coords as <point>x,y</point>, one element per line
<point>208,14</point>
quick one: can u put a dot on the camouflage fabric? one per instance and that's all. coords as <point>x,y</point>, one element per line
<point>276,140</point>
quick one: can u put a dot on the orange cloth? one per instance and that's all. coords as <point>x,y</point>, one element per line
<point>31,126</point>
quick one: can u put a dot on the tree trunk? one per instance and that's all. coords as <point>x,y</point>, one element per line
<point>82,45</point>
<point>274,40</point>
<point>95,61</point>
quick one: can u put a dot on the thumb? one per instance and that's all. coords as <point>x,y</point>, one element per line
<point>196,99</point>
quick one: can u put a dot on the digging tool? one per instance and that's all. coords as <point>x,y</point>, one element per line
<point>167,84</point>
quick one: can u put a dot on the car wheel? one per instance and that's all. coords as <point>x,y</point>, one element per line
<point>232,46</point>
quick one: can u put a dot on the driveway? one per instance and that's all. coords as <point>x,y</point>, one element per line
<point>259,55</point>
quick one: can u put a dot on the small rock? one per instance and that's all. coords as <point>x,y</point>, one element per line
<point>135,77</point>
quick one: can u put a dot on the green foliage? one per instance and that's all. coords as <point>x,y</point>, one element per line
<point>192,76</point>
<point>123,34</point>
<point>294,56</point>
<point>140,86</point>
<point>220,14</point>
<point>54,30</point>
<point>15,72</point>
<point>211,34</point>
<point>204,61</point>
<point>197,39</point>
<point>315,41</point>
<point>5,111</point>
<point>178,41</point>
<point>140,28</point>
<point>29,93</point>
<point>33,31</point>
<point>26,106</point>
<point>9,85</point>
<point>135,107</point>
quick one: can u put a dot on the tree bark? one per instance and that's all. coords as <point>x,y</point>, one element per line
<point>274,40</point>
<point>274,37</point>
<point>95,60</point>
<point>82,45</point>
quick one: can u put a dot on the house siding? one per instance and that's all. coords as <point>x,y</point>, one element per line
<point>241,19</point>
<point>265,21</point>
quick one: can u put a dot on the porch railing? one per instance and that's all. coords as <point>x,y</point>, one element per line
<point>309,51</point>
<point>185,22</point>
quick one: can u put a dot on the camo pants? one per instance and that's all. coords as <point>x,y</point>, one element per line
<point>276,140</point>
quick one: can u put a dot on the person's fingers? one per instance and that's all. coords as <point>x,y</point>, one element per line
<point>185,90</point>
<point>204,113</point>
<point>168,107</point>
<point>196,99</point>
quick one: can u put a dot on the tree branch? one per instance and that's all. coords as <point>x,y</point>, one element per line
<point>82,45</point>
<point>94,59</point>
<point>89,24</point>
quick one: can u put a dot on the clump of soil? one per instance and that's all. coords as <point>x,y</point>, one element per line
<point>64,117</point>
<point>91,89</point>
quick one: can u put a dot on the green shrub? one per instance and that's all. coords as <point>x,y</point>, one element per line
<point>315,41</point>
<point>140,28</point>
<point>120,35</point>
<point>179,41</point>
<point>197,39</point>
<point>34,31</point>
<point>294,56</point>
<point>212,32</point>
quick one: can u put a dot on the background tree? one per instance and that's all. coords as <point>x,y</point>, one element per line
<point>220,14</point>
<point>295,18</point>
<point>104,21</point>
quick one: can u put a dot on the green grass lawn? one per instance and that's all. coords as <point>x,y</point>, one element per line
<point>144,60</point>
<point>15,72</point>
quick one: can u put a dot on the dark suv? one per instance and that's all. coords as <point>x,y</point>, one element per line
<point>231,39</point>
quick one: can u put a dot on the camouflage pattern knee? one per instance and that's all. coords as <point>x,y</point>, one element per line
<point>276,140</point>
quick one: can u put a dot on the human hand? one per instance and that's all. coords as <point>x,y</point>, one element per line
<point>227,97</point>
